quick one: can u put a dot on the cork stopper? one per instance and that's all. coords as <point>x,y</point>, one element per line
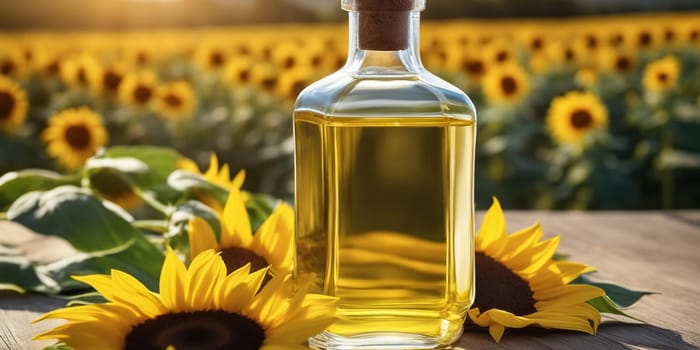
<point>383,25</point>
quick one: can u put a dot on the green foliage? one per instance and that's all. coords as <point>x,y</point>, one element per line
<point>15,184</point>
<point>103,234</point>
<point>106,236</point>
<point>616,297</point>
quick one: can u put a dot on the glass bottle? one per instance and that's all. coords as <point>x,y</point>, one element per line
<point>384,164</point>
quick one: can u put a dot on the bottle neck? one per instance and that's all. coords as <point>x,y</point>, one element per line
<point>384,43</point>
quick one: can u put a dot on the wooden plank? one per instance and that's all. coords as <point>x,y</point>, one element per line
<point>653,251</point>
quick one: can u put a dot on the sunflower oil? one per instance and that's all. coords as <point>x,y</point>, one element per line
<point>385,222</point>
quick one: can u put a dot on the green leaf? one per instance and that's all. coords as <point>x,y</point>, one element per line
<point>606,305</point>
<point>18,275</point>
<point>259,206</point>
<point>161,162</point>
<point>85,299</point>
<point>14,184</point>
<point>178,225</point>
<point>58,346</point>
<point>122,164</point>
<point>186,181</point>
<point>677,159</point>
<point>91,227</point>
<point>620,295</point>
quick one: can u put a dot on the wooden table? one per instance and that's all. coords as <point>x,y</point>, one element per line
<point>655,251</point>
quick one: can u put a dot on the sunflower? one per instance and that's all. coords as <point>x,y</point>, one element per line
<point>238,71</point>
<point>288,56</point>
<point>12,64</point>
<point>81,71</point>
<point>265,76</point>
<point>176,100</point>
<point>292,82</point>
<point>616,61</point>
<point>566,54</point>
<point>211,56</point>
<point>110,79</point>
<point>200,307</point>
<point>74,135</point>
<point>270,246</point>
<point>646,37</point>
<point>138,88</point>
<point>217,175</point>
<point>505,84</point>
<point>475,66</point>
<point>519,285</point>
<point>572,117</point>
<point>500,52</point>
<point>662,74</point>
<point>13,105</point>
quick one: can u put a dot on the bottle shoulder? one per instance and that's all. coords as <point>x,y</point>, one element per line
<point>420,94</point>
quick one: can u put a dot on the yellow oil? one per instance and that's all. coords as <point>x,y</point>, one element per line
<point>385,222</point>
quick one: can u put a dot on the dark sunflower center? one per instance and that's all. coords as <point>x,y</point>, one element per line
<point>502,56</point>
<point>536,44</point>
<point>81,76</point>
<point>141,58</point>
<point>644,39</point>
<point>474,67</point>
<point>663,77</point>
<point>591,42</point>
<point>617,39</point>
<point>581,119</point>
<point>669,35</point>
<point>290,62</point>
<point>509,85</point>
<point>694,34</point>
<point>269,83</point>
<point>442,54</point>
<point>77,136</point>
<point>199,330</point>
<point>173,100</point>
<point>216,59</point>
<point>498,287</point>
<point>236,257</point>
<point>622,63</point>
<point>316,61</point>
<point>569,55</point>
<point>7,104</point>
<point>244,76</point>
<point>7,67</point>
<point>142,94</point>
<point>53,67</point>
<point>111,81</point>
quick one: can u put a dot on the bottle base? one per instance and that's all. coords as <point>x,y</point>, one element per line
<point>379,340</point>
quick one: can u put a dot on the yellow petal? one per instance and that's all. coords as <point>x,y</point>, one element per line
<point>238,181</point>
<point>235,222</point>
<point>201,236</point>
<point>496,331</point>
<point>492,228</point>
<point>206,270</point>
<point>274,239</point>
<point>173,283</point>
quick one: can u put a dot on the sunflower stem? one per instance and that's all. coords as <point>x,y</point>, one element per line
<point>154,203</point>
<point>151,225</point>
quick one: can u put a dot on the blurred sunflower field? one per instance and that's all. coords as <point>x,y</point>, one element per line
<point>587,113</point>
